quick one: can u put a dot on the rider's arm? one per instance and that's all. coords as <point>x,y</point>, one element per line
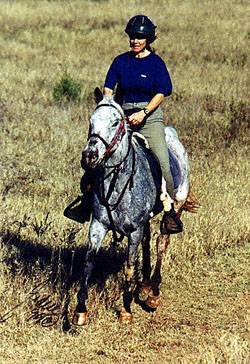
<point>155,102</point>
<point>138,117</point>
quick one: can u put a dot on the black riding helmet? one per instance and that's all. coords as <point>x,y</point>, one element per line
<point>140,26</point>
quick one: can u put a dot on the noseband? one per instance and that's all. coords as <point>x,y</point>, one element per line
<point>120,131</point>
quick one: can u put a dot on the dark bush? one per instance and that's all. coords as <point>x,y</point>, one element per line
<point>67,89</point>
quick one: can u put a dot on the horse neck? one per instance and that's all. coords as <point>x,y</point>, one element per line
<point>120,156</point>
<point>114,181</point>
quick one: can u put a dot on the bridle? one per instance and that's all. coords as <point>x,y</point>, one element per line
<point>120,132</point>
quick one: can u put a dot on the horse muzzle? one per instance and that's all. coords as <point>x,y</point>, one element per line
<point>89,158</point>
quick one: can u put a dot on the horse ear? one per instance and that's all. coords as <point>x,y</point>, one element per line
<point>98,95</point>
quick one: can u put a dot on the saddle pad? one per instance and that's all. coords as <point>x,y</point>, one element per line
<point>174,169</point>
<point>178,163</point>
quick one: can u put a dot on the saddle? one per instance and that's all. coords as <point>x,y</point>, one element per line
<point>178,160</point>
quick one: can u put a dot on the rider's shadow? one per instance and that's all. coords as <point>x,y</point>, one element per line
<point>62,267</point>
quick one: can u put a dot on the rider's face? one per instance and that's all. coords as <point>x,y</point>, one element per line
<point>136,44</point>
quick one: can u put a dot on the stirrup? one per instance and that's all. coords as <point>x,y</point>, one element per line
<point>171,223</point>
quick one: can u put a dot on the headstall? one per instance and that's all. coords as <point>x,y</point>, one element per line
<point>120,131</point>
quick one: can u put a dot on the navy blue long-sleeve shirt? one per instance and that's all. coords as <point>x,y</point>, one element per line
<point>139,79</point>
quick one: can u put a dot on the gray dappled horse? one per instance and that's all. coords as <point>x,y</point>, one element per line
<point>125,196</point>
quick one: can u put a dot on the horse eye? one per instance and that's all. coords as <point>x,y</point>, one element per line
<point>115,124</point>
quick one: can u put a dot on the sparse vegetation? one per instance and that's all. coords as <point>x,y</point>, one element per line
<point>204,316</point>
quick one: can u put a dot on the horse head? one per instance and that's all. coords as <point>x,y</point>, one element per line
<point>107,132</point>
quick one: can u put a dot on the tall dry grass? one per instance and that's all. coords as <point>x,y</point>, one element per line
<point>204,317</point>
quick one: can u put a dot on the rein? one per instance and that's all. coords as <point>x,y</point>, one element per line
<point>105,199</point>
<point>129,182</point>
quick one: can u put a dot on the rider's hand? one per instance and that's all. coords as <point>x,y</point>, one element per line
<point>136,118</point>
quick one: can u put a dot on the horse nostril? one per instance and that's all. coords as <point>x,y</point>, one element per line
<point>92,143</point>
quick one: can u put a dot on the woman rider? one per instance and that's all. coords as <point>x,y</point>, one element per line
<point>143,82</point>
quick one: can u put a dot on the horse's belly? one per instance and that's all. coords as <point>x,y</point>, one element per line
<point>135,211</point>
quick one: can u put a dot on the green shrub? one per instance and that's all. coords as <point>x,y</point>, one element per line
<point>67,89</point>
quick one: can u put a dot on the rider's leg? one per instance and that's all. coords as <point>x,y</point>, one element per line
<point>87,180</point>
<point>80,209</point>
<point>154,132</point>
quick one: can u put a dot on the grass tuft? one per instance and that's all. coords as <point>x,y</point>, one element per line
<point>67,89</point>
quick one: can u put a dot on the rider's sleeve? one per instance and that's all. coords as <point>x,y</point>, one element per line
<point>163,83</point>
<point>112,75</point>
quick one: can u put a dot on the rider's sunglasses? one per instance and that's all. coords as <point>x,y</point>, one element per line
<point>136,36</point>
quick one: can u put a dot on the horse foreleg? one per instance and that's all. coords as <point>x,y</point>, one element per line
<point>97,233</point>
<point>133,242</point>
<point>80,315</point>
<point>153,299</point>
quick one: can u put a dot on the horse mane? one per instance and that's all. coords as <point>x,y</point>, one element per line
<point>110,100</point>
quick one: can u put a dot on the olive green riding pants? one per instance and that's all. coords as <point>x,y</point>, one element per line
<point>152,129</point>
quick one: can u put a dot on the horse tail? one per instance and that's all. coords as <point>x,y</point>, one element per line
<point>191,204</point>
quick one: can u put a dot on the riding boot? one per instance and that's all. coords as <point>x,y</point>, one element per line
<point>171,222</point>
<point>80,209</point>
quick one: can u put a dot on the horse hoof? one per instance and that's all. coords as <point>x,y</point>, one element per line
<point>144,292</point>
<point>153,301</point>
<point>80,318</point>
<point>125,317</point>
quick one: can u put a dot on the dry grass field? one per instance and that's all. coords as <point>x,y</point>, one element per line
<point>204,315</point>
